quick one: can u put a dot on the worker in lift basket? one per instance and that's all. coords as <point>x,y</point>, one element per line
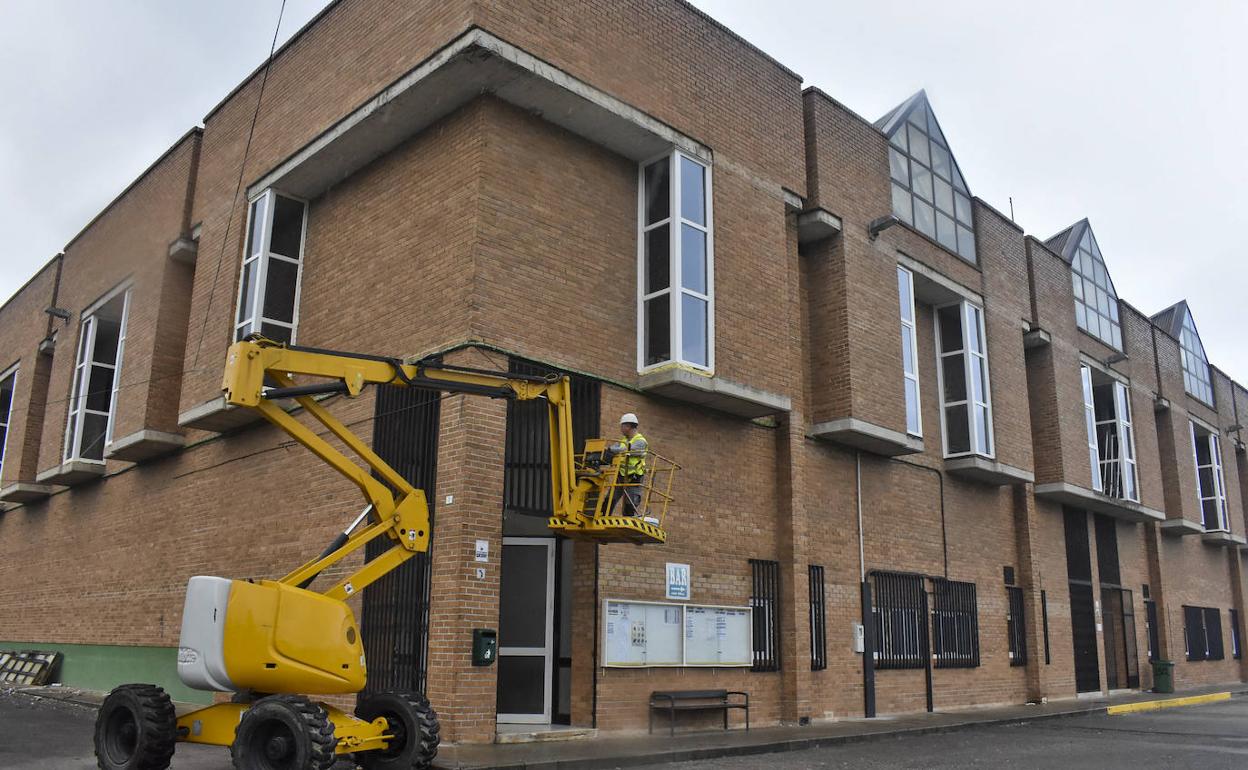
<point>632,473</point>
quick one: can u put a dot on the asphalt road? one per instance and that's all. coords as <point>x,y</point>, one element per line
<point>1209,737</point>
<point>57,736</point>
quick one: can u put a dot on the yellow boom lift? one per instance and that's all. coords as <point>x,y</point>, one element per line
<point>270,641</point>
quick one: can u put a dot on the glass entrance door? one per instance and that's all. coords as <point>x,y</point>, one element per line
<point>525,633</point>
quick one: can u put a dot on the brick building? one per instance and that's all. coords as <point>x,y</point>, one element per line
<point>889,401</point>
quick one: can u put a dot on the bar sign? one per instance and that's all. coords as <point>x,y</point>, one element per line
<point>677,581</point>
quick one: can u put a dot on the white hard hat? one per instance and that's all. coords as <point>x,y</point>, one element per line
<point>630,417</point>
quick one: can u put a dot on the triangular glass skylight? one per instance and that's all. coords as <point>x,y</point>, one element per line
<point>929,193</point>
<point>1096,302</point>
<point>1196,378</point>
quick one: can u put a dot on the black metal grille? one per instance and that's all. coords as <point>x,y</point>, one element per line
<point>1016,627</point>
<point>395,620</point>
<point>899,612</point>
<point>764,597</point>
<point>526,449</point>
<point>818,621</point>
<point>955,624</point>
<point>1150,624</point>
<point>1044,618</point>
<point>1202,628</point>
<point>1236,651</point>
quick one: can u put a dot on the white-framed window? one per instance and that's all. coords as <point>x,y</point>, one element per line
<point>8,382</point>
<point>1210,483</point>
<point>268,289</point>
<point>1196,380</point>
<point>909,351</point>
<point>965,392</point>
<point>1089,416</point>
<point>1111,434</point>
<point>675,264</point>
<point>97,378</point>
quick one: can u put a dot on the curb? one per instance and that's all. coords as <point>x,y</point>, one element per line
<point>1167,703</point>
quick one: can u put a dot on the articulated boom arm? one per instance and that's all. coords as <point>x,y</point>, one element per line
<point>398,510</point>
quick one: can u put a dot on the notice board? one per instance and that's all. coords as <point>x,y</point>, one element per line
<point>650,634</point>
<point>718,636</point>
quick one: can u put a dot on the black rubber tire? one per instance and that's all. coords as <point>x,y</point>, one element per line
<point>408,714</point>
<point>284,732</point>
<point>135,729</point>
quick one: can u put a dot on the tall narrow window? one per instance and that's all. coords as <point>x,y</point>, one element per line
<point>8,381</point>
<point>764,597</point>
<point>1195,365</point>
<point>675,272</point>
<point>1210,483</point>
<point>1089,415</point>
<point>818,620</point>
<point>1236,651</point>
<point>1044,620</point>
<point>268,290</point>
<point>97,379</point>
<point>955,624</point>
<point>963,374</point>
<point>929,193</point>
<point>909,351</point>
<point>1015,626</point>
<point>1096,302</point>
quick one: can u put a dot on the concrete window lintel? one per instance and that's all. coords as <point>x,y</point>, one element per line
<point>1081,497</point>
<point>714,392</point>
<point>867,436</point>
<point>988,471</point>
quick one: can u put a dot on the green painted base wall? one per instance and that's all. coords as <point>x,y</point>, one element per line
<point>103,667</point>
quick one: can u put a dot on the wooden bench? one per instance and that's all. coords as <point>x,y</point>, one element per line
<point>697,700</point>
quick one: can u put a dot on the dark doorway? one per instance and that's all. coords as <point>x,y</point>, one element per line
<point>534,683</point>
<point>1121,659</point>
<point>1082,602</point>
<point>395,621</point>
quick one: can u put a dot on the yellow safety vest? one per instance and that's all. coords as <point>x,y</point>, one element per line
<point>634,464</point>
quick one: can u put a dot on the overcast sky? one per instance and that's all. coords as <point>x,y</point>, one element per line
<point>1132,114</point>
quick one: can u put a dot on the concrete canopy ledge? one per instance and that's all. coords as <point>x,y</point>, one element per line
<point>988,471</point>
<point>217,416</point>
<point>1079,497</point>
<point>1180,526</point>
<point>25,492</point>
<point>71,473</point>
<point>473,64</point>
<point>1036,338</point>
<point>1223,539</point>
<point>184,250</point>
<point>816,224</point>
<point>144,445</point>
<point>867,436</point>
<point>714,393</point>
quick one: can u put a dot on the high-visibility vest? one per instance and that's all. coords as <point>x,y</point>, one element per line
<point>634,463</point>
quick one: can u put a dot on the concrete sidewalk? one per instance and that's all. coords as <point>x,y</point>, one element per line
<point>644,749</point>
<point>628,750</point>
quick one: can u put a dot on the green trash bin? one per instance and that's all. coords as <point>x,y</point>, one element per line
<point>1163,676</point>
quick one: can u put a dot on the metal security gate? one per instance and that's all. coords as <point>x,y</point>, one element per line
<point>1082,602</point>
<point>395,622</point>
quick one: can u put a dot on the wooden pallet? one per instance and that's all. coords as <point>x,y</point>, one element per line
<point>27,667</point>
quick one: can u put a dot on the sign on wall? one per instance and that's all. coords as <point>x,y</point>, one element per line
<point>650,634</point>
<point>677,581</point>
